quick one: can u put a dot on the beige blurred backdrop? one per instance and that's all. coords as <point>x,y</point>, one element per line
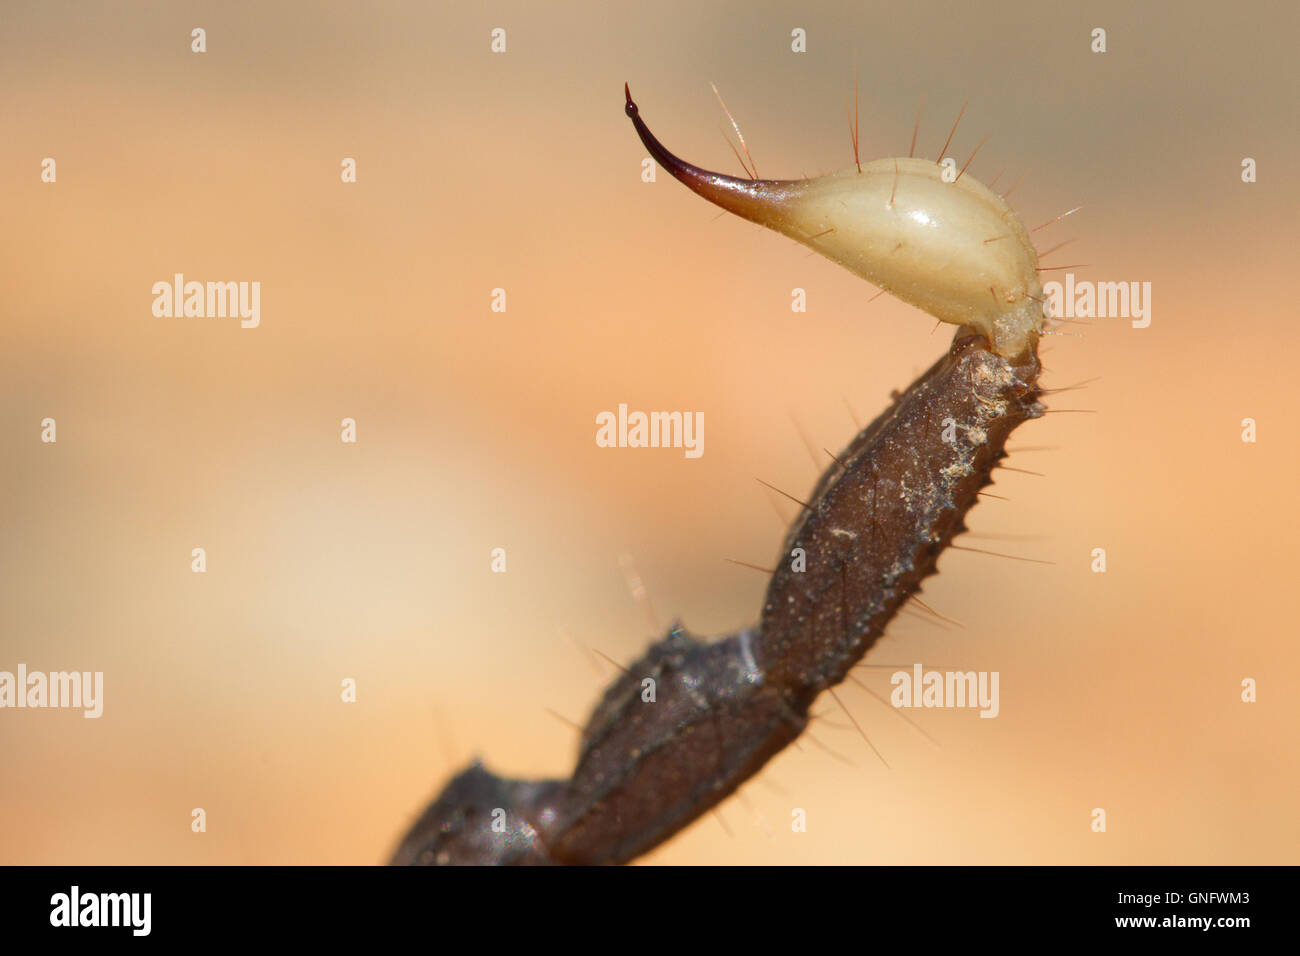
<point>476,429</point>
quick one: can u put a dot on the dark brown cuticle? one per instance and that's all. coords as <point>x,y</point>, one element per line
<point>872,531</point>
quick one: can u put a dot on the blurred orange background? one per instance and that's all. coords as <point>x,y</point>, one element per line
<point>476,429</point>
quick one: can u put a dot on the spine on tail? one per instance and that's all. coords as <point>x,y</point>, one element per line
<point>650,764</point>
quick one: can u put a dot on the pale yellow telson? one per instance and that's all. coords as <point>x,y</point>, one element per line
<point>953,248</point>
